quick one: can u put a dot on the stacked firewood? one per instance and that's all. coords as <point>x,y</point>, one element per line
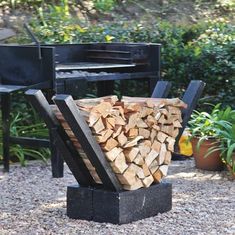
<point>137,136</point>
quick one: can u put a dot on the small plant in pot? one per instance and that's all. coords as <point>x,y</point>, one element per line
<point>206,144</point>
<point>226,135</point>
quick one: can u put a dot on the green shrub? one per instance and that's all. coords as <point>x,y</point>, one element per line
<point>104,5</point>
<point>25,122</point>
<point>203,51</point>
<point>21,3</point>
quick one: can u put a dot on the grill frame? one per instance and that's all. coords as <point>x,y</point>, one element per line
<point>24,67</point>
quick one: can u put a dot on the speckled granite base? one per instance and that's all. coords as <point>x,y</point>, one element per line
<point>118,207</point>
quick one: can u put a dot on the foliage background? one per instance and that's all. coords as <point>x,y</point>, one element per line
<point>191,49</point>
<point>205,50</point>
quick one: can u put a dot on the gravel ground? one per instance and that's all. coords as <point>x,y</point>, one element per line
<point>32,202</point>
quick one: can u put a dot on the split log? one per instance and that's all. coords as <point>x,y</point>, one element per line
<point>117,131</point>
<point>146,170</point>
<point>148,181</point>
<point>151,156</point>
<point>138,184</point>
<point>110,144</point>
<point>133,142</point>
<point>156,146</point>
<point>177,124</point>
<point>132,132</point>
<point>154,166</point>
<point>93,118</point>
<point>138,170</point>
<point>122,139</point>
<point>141,123</point>
<point>128,177</point>
<point>119,121</point>
<point>98,126</point>
<point>170,143</point>
<point>119,164</point>
<point>168,156</point>
<point>157,176</point>
<point>162,154</point>
<point>144,150</point>
<point>139,160</point>
<point>112,154</point>
<point>131,154</point>
<point>153,135</point>
<point>161,136</point>
<point>144,132</point>
<point>163,169</point>
<point>104,136</point>
<point>110,122</point>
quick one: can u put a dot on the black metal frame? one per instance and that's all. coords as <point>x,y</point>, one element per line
<point>23,65</point>
<point>57,162</point>
<point>82,132</point>
<point>60,138</point>
<point>90,146</point>
<point>162,88</point>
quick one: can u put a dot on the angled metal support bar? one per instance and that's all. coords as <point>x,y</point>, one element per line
<point>60,138</point>
<point>161,89</point>
<point>83,133</point>
<point>72,158</point>
<point>6,103</point>
<point>191,97</point>
<point>40,103</point>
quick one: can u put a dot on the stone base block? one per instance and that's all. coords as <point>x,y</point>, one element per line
<point>118,207</point>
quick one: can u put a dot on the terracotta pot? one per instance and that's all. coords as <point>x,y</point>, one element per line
<point>213,161</point>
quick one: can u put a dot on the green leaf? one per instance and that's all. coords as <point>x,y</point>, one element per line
<point>199,143</point>
<point>212,150</point>
<point>230,152</point>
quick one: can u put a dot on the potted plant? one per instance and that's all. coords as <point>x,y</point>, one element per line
<point>206,144</point>
<point>226,135</point>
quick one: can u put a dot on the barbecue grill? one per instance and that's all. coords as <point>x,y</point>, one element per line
<point>66,69</point>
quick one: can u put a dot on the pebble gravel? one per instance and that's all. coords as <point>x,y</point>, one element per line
<point>32,202</point>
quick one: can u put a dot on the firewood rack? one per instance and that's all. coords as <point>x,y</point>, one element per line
<point>107,202</point>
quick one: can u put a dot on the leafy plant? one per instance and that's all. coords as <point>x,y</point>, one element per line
<point>25,122</point>
<point>202,51</point>
<point>104,5</point>
<point>204,125</point>
<point>227,146</point>
<point>226,135</point>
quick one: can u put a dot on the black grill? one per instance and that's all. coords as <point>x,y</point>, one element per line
<point>58,67</point>
<point>66,69</point>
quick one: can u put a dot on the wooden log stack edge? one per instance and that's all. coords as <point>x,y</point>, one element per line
<point>136,134</point>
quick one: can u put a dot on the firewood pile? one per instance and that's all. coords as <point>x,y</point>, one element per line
<point>137,136</point>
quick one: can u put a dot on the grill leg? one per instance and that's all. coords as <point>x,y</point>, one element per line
<point>6,101</point>
<point>152,84</point>
<point>57,162</point>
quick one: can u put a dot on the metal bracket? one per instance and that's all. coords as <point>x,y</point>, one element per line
<point>34,39</point>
